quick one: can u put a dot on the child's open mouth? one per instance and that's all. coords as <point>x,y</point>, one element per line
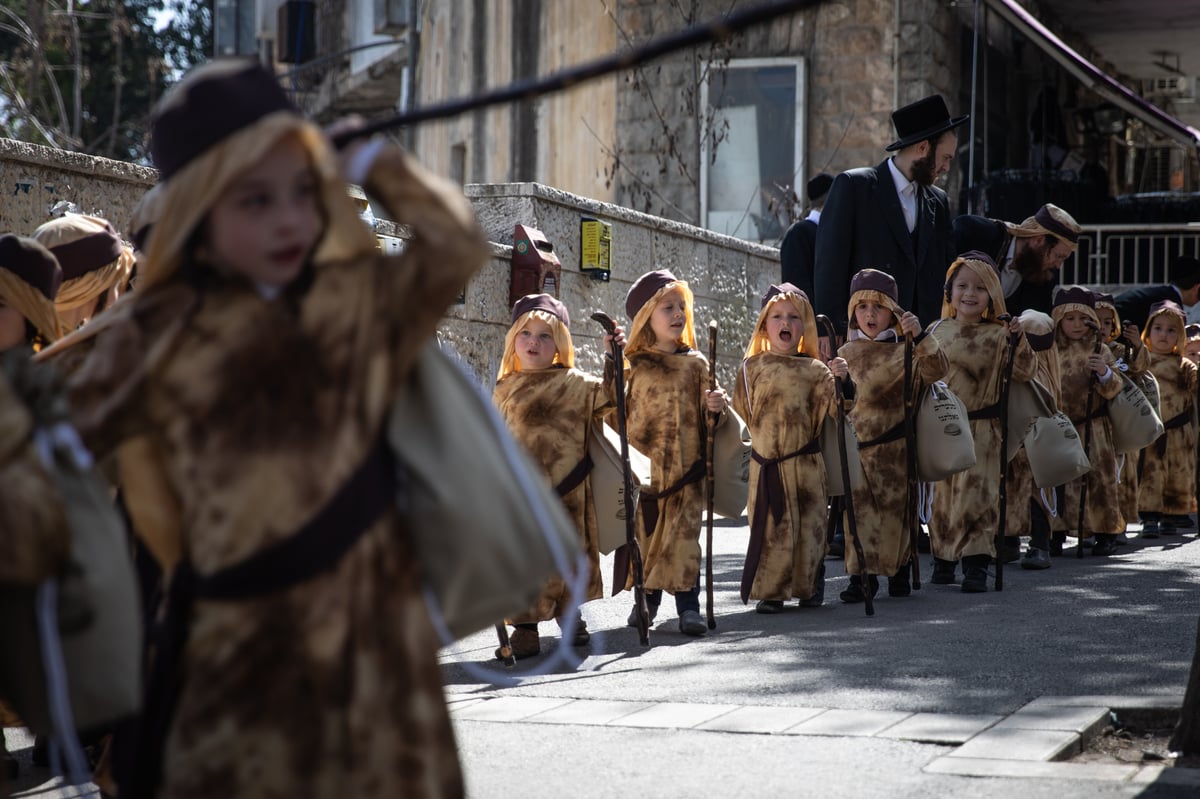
<point>785,335</point>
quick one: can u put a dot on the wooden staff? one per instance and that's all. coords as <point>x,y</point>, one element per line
<point>910,445</point>
<point>635,553</point>
<point>848,495</point>
<point>505,652</point>
<point>710,479</point>
<point>1087,441</point>
<point>1002,524</point>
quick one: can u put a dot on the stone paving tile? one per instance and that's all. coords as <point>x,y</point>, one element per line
<point>460,702</point>
<point>983,767</point>
<point>589,711</point>
<point>508,708</point>
<point>760,719</point>
<point>849,722</point>
<point>673,715</point>
<point>940,728</point>
<point>1161,775</point>
<point>1112,701</point>
<point>1015,744</point>
<point>1083,720</point>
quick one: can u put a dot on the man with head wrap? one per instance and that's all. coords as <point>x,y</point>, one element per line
<point>1029,254</point>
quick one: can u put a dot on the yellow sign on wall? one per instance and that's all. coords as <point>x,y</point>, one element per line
<point>595,248</point>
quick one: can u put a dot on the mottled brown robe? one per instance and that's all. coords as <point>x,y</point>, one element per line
<point>966,506</point>
<point>881,504</point>
<point>260,411</point>
<point>1138,363</point>
<point>1020,487</point>
<point>1103,512</point>
<point>551,412</point>
<point>784,400</point>
<point>1168,483</point>
<point>667,421</point>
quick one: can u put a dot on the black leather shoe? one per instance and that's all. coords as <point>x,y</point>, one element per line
<point>855,594</point>
<point>1035,559</point>
<point>632,620</point>
<point>975,574</point>
<point>1105,546</point>
<point>943,571</point>
<point>769,606</point>
<point>899,583</point>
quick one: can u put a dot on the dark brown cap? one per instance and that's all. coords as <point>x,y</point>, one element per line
<point>782,288</point>
<point>1074,295</point>
<point>33,263</point>
<point>540,302</point>
<point>1167,306</point>
<point>874,280</point>
<point>646,287</point>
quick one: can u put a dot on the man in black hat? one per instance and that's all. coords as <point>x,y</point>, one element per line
<point>798,251</point>
<point>891,217</point>
<point>1134,305</point>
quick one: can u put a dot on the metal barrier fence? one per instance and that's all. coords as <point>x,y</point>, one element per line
<point>1129,255</point>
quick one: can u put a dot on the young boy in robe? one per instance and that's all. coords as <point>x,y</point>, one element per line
<point>668,403</point>
<point>1166,493</point>
<point>874,353</point>
<point>1027,510</point>
<point>784,392</point>
<point>1076,336</point>
<point>550,407</point>
<point>966,506</point>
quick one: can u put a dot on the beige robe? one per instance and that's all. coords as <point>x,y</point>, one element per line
<point>966,506</point>
<point>667,421</point>
<point>1128,473</point>
<point>260,411</point>
<point>1168,482</point>
<point>1103,512</point>
<point>551,412</point>
<point>882,506</point>
<point>784,400</point>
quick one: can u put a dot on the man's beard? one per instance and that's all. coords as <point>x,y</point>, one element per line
<point>923,170</point>
<point>1028,263</point>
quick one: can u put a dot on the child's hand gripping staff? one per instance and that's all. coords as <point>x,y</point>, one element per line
<point>1087,427</point>
<point>1014,339</point>
<point>827,325</point>
<point>710,478</point>
<point>632,551</point>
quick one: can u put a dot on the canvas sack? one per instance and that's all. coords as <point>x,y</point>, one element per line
<point>1055,452</point>
<point>608,485</point>
<point>731,465</point>
<point>1135,423</point>
<point>1027,402</point>
<point>833,458</point>
<point>945,445</point>
<point>488,528</point>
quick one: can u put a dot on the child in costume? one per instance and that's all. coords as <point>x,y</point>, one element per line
<point>96,265</point>
<point>1076,332</point>
<point>257,363</point>
<point>550,407</point>
<point>1027,511</point>
<point>976,343</point>
<point>1125,343</point>
<point>874,352</point>
<point>1192,349</point>
<point>1166,492</point>
<point>784,392</point>
<point>667,406</point>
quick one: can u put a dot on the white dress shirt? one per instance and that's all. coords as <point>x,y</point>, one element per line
<point>908,195</point>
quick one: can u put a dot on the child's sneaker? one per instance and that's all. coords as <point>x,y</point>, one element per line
<point>1150,529</point>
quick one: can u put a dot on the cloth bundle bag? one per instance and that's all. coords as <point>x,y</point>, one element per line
<point>731,465</point>
<point>1027,403</point>
<point>833,456</point>
<point>488,528</point>
<point>1135,423</point>
<point>1055,453</point>
<point>608,485</point>
<point>945,445</point>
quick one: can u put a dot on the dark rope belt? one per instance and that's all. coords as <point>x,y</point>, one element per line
<point>1174,423</point>
<point>576,476</point>
<point>886,437</point>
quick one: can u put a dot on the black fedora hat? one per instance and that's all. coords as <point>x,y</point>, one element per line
<point>922,120</point>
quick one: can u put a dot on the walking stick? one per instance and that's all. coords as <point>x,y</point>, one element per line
<point>1087,442</point>
<point>505,651</point>
<point>1002,525</point>
<point>631,544</point>
<point>825,322</point>
<point>710,478</point>
<point>910,445</point>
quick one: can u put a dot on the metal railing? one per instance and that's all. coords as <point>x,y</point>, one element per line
<point>1129,255</point>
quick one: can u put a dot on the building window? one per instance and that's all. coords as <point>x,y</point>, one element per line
<point>755,116</point>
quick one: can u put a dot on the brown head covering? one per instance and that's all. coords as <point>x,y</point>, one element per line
<point>215,124</point>
<point>92,256</point>
<point>982,265</point>
<point>1074,299</point>
<point>871,285</point>
<point>540,302</point>
<point>641,301</point>
<point>1107,302</point>
<point>785,292</point>
<point>1050,220</point>
<point>29,280</point>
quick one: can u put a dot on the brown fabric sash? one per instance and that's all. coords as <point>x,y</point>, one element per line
<point>768,497</point>
<point>575,476</point>
<point>1175,422</point>
<point>886,437</point>
<point>1099,413</point>
<point>990,412</point>
<point>648,506</point>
